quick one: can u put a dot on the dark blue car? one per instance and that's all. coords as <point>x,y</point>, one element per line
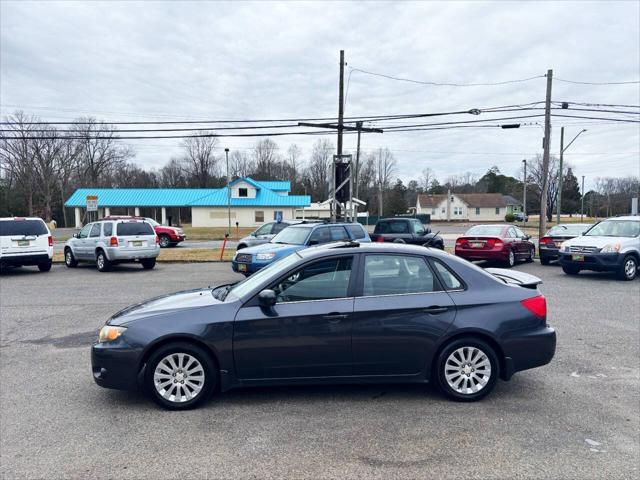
<point>294,238</point>
<point>340,313</point>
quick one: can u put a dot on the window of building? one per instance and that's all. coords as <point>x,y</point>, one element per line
<point>259,216</point>
<point>243,192</point>
<point>396,275</point>
<point>477,211</point>
<point>317,281</point>
<point>277,214</point>
<point>457,210</point>
<point>497,210</point>
<point>433,211</point>
<point>444,210</point>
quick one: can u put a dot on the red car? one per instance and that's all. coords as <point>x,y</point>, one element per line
<point>499,243</point>
<point>167,236</point>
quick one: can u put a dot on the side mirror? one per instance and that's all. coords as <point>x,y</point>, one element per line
<point>75,235</point>
<point>267,298</point>
<point>314,242</point>
<point>527,237</point>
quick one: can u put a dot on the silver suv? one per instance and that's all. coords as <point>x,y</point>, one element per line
<point>108,242</point>
<point>612,245</point>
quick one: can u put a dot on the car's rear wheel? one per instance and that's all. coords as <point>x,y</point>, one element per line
<point>148,263</point>
<point>511,259</point>
<point>544,260</point>
<point>69,260</point>
<point>629,268</point>
<point>102,262</point>
<point>45,266</point>
<point>468,369</point>
<point>179,376</point>
<point>569,270</point>
<point>165,241</point>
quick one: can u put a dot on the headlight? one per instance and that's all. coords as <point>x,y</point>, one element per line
<point>265,256</point>
<point>611,248</point>
<point>110,333</point>
<point>563,247</point>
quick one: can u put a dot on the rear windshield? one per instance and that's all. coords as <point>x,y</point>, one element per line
<point>135,228</point>
<point>562,230</point>
<point>22,227</point>
<point>485,230</point>
<point>393,226</point>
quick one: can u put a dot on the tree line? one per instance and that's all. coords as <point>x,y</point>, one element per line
<point>40,167</point>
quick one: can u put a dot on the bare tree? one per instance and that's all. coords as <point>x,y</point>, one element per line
<point>319,165</point>
<point>199,161</point>
<point>385,166</point>
<point>428,175</point>
<point>49,157</point>
<point>266,158</point>
<point>240,164</point>
<point>534,178</point>
<point>172,174</point>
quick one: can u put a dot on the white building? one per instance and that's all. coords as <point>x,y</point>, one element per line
<point>468,206</point>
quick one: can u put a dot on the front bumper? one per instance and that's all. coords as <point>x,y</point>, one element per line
<point>248,268</point>
<point>530,349</point>
<point>25,259</point>
<point>119,254</point>
<point>115,365</point>
<point>600,262</point>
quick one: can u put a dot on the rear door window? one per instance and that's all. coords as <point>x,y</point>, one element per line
<point>278,227</point>
<point>338,233</point>
<point>356,231</point>
<point>22,227</point>
<point>397,275</point>
<point>134,228</point>
<point>381,227</point>
<point>320,235</point>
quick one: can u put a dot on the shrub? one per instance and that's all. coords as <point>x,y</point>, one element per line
<point>509,217</point>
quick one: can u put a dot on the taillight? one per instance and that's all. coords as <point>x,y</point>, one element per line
<point>157,239</point>
<point>545,240</point>
<point>495,243</point>
<point>536,305</point>
<point>113,242</point>
<point>380,239</point>
<point>459,242</point>
<point>50,241</point>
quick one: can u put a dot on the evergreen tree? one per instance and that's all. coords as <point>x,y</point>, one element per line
<point>397,201</point>
<point>570,193</point>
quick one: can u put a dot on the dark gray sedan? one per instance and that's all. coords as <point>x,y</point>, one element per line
<point>340,313</point>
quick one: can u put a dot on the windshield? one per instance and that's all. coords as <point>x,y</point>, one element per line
<point>615,228</point>
<point>567,230</point>
<point>22,227</point>
<point>246,286</point>
<point>494,230</point>
<point>292,236</point>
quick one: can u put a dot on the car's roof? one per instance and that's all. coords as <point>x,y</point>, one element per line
<point>501,225</point>
<point>367,247</point>
<point>21,218</point>
<point>625,217</point>
<point>319,224</point>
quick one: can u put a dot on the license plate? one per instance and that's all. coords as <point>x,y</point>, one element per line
<point>242,267</point>
<point>23,243</point>
<point>477,244</point>
<point>136,244</point>
<point>577,258</point>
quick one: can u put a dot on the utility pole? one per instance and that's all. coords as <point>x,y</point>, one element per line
<point>226,152</point>
<point>336,214</point>
<point>359,127</point>
<point>380,200</point>
<point>559,208</point>
<point>524,194</point>
<point>582,200</point>
<point>542,227</point>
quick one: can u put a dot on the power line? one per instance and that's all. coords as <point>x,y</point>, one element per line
<point>595,83</point>
<point>442,84</point>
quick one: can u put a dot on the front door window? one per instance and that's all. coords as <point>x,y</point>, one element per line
<point>319,281</point>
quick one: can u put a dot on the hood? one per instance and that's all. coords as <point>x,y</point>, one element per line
<point>593,241</point>
<point>200,297</point>
<point>270,247</point>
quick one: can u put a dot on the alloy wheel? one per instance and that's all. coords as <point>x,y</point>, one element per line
<point>512,258</point>
<point>630,268</point>
<point>68,258</point>
<point>467,370</point>
<point>179,377</point>
<point>100,261</point>
<point>164,241</point>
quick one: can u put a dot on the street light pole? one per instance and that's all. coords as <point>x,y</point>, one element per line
<point>582,200</point>
<point>562,150</point>
<point>226,152</point>
<point>524,195</point>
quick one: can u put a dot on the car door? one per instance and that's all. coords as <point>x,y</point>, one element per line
<point>307,333</point>
<point>80,247</point>
<point>516,243</point>
<point>525,244</point>
<point>265,232</point>
<point>418,233</point>
<point>400,312</point>
<point>92,241</point>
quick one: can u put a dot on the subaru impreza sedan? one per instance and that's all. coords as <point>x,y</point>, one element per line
<point>338,313</point>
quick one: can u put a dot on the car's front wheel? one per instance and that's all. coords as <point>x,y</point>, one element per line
<point>180,375</point>
<point>569,270</point>
<point>629,268</point>
<point>69,260</point>
<point>468,369</point>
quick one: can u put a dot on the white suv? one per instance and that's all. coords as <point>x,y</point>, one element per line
<point>108,242</point>
<point>25,241</point>
<point>612,245</point>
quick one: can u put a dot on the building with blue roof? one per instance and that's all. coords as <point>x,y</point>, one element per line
<point>252,203</point>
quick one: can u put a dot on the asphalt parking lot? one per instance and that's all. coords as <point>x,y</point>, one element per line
<point>575,418</point>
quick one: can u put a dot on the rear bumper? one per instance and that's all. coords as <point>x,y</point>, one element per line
<point>530,349</point>
<point>549,252</point>
<point>118,254</point>
<point>478,254</point>
<point>602,262</point>
<point>28,259</point>
<point>115,367</point>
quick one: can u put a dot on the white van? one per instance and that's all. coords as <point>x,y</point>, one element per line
<point>25,241</point>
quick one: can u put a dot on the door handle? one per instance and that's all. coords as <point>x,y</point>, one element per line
<point>336,317</point>
<point>435,310</point>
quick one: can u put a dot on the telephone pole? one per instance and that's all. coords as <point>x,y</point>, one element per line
<point>559,208</point>
<point>524,195</point>
<point>546,144</point>
<point>582,200</point>
<point>335,211</point>
<point>359,127</point>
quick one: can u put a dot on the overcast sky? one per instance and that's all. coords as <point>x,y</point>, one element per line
<point>212,60</point>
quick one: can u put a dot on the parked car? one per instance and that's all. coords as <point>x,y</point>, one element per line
<point>294,238</point>
<point>405,230</point>
<point>521,217</point>
<point>349,312</point>
<point>25,241</point>
<point>168,236</point>
<point>264,233</point>
<point>498,243</point>
<point>549,245</point>
<point>109,242</point>
<point>612,245</point>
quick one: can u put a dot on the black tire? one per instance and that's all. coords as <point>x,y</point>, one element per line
<point>148,263</point>
<point>442,367</point>
<point>629,268</point>
<point>208,366</point>
<point>569,270</point>
<point>69,260</point>
<point>511,259</point>
<point>544,260</point>
<point>532,255</point>
<point>45,267</point>
<point>165,240</point>
<point>102,262</point>
<point>398,240</point>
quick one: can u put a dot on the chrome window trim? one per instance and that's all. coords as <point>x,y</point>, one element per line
<point>318,300</point>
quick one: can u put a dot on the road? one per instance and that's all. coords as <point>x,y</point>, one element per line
<point>575,418</point>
